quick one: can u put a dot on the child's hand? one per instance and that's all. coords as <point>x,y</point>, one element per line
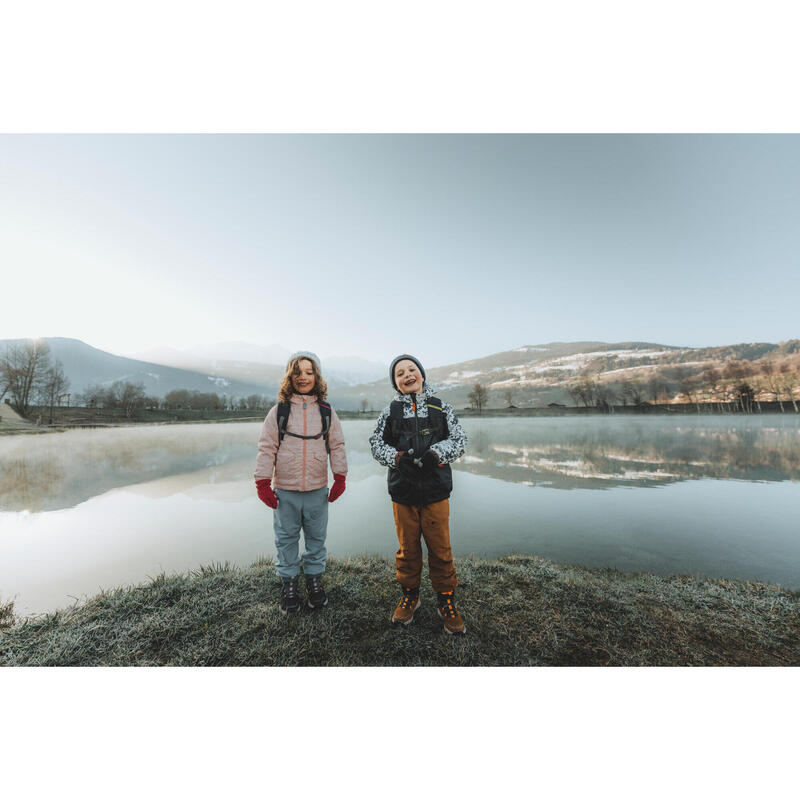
<point>407,467</point>
<point>430,461</point>
<point>337,490</point>
<point>265,493</point>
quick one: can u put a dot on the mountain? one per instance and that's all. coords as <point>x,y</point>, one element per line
<point>536,375</point>
<point>85,365</point>
<point>264,366</point>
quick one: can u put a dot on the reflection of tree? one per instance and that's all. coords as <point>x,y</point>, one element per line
<point>635,454</point>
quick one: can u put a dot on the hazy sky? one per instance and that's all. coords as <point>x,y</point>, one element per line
<point>448,247</point>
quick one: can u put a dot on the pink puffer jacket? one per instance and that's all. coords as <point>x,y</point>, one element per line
<point>301,464</point>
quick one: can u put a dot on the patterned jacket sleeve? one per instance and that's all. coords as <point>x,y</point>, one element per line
<point>383,453</point>
<point>456,443</point>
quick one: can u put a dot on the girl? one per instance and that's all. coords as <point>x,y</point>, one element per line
<point>298,435</point>
<point>417,437</point>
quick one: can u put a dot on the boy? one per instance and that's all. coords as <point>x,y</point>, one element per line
<point>417,436</point>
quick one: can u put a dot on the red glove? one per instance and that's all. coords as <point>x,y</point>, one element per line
<point>337,490</point>
<point>265,493</point>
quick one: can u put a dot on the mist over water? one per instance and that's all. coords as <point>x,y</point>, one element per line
<point>717,496</point>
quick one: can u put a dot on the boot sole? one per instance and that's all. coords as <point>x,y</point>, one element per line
<point>410,619</point>
<point>321,605</point>
<point>447,630</point>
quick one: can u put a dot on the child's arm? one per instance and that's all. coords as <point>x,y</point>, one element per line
<point>382,451</point>
<point>267,446</point>
<point>336,442</point>
<point>455,444</point>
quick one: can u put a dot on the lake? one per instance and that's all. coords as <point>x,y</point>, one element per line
<point>715,496</point>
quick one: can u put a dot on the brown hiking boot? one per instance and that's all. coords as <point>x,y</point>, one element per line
<point>453,622</point>
<point>404,612</point>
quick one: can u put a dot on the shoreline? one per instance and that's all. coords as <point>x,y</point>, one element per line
<point>519,611</point>
<point>25,427</point>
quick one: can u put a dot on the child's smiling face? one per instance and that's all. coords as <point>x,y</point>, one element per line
<point>303,380</point>
<point>408,377</point>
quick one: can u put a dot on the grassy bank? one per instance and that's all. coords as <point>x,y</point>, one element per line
<point>520,610</point>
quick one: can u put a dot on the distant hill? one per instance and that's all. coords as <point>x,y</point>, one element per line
<point>535,375</point>
<point>85,365</point>
<point>264,366</point>
<point>540,374</point>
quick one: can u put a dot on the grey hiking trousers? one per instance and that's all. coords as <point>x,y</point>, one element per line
<point>296,510</point>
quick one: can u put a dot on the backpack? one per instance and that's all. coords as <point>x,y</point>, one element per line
<point>283,421</point>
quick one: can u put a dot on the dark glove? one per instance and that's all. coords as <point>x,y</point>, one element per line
<point>406,466</point>
<point>430,462</point>
<point>265,493</point>
<point>337,490</point>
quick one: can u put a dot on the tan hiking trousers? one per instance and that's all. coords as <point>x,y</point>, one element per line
<point>432,522</point>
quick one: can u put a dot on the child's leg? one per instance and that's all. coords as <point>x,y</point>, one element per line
<point>435,521</point>
<point>315,530</point>
<point>408,559</point>
<point>287,519</point>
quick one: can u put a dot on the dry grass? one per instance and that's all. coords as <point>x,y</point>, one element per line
<point>519,610</point>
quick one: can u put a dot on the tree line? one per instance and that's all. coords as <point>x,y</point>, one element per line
<point>740,384</point>
<point>29,377</point>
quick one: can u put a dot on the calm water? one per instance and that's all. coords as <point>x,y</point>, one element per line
<point>712,496</point>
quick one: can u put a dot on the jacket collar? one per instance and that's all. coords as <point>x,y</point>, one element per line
<point>304,398</point>
<point>427,391</point>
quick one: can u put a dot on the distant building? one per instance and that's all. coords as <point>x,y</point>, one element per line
<point>556,405</point>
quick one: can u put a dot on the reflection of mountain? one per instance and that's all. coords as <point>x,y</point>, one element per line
<point>61,470</point>
<point>603,454</point>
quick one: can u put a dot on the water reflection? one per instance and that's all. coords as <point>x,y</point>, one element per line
<point>61,470</point>
<point>601,453</point>
<point>133,502</point>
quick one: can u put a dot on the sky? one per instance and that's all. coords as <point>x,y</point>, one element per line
<point>449,247</point>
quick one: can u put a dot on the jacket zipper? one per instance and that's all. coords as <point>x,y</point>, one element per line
<point>303,479</point>
<point>416,443</point>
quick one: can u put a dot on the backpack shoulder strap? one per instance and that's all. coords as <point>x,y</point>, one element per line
<point>325,412</point>
<point>283,420</point>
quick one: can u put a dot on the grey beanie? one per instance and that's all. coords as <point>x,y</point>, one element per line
<point>403,357</point>
<point>305,354</point>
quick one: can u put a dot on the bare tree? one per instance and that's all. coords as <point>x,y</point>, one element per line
<point>585,390</point>
<point>787,383</point>
<point>772,377</point>
<point>508,394</point>
<point>631,390</point>
<point>364,404</point>
<point>478,397</point>
<point>655,388</point>
<point>604,397</point>
<point>54,386</point>
<point>23,371</point>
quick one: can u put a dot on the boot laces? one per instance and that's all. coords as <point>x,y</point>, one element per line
<point>290,588</point>
<point>447,605</point>
<point>314,583</point>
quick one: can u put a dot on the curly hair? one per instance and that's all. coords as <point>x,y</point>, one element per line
<point>286,389</point>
